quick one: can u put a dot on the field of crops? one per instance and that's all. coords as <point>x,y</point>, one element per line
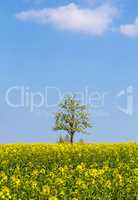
<point>62,171</point>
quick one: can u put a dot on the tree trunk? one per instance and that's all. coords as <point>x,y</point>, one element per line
<point>71,137</point>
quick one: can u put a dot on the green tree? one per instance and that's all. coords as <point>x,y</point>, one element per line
<point>72,117</point>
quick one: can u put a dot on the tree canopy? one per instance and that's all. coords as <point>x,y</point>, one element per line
<point>72,117</point>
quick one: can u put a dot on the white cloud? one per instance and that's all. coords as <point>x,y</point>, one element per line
<point>130,29</point>
<point>73,18</point>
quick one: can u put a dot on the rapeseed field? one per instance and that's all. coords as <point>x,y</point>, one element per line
<point>69,172</point>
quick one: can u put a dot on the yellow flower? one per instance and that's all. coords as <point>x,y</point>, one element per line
<point>61,169</point>
<point>62,193</point>
<point>46,190</point>
<point>53,198</point>
<point>35,172</point>
<point>120,179</point>
<point>59,181</point>
<point>16,181</point>
<point>34,184</point>
<point>108,184</point>
<point>93,172</point>
<point>5,193</point>
<point>81,167</point>
<point>81,184</point>
<point>4,162</point>
<point>3,176</point>
<point>42,171</point>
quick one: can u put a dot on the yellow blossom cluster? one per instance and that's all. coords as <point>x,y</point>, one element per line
<point>69,172</point>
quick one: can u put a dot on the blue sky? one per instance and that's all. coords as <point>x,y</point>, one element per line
<point>69,45</point>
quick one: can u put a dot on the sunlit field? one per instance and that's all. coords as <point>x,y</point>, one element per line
<point>63,171</point>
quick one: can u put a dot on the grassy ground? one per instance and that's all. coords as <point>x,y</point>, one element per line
<point>62,171</point>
